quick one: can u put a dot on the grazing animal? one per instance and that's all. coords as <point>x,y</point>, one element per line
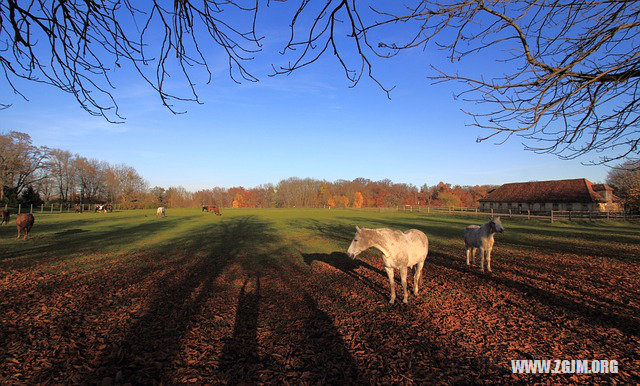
<point>401,250</point>
<point>24,222</point>
<point>100,208</point>
<point>481,237</point>
<point>5,217</point>
<point>108,208</point>
<point>211,208</point>
<point>78,209</point>
<point>160,212</point>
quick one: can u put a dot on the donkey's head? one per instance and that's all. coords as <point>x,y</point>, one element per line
<point>496,225</point>
<point>358,244</point>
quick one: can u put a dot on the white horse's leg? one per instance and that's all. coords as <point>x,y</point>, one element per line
<point>403,278</point>
<point>489,260</point>
<point>392,283</point>
<point>482,259</point>
<point>417,276</point>
<point>473,255</point>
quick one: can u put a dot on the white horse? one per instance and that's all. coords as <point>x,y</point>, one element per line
<point>401,250</point>
<point>481,237</point>
<point>160,212</point>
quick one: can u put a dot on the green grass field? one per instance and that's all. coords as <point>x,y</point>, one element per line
<point>269,295</point>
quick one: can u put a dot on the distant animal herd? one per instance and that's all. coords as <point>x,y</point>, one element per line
<point>400,250</point>
<point>25,221</point>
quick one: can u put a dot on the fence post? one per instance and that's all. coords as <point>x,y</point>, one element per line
<point>476,212</point>
<point>509,213</point>
<point>590,216</point>
<point>428,209</point>
<point>60,207</point>
<point>19,208</point>
<point>5,206</point>
<point>607,215</point>
<point>31,209</point>
<point>491,212</point>
<point>528,214</point>
<point>41,208</point>
<point>552,216</point>
<point>51,208</point>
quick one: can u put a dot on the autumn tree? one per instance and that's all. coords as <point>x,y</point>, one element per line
<point>21,164</point>
<point>626,180</point>
<point>238,201</point>
<point>358,200</point>
<point>61,169</point>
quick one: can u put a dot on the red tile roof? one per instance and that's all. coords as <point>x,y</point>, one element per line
<point>599,187</point>
<point>577,190</point>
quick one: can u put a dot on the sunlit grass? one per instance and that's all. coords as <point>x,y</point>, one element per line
<point>93,240</point>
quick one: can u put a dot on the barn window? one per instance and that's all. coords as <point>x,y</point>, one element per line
<point>556,206</point>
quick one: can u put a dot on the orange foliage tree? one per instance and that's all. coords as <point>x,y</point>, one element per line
<point>358,200</point>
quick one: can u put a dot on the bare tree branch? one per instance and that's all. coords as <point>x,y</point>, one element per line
<point>76,45</point>
<point>570,70</point>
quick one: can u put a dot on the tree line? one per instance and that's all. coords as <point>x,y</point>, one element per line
<point>313,193</point>
<point>36,175</point>
<point>31,174</point>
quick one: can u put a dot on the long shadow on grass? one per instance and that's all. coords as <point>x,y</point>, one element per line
<point>333,231</point>
<point>64,244</point>
<point>595,315</point>
<point>148,351</point>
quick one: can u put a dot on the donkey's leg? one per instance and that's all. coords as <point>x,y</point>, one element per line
<point>417,276</point>
<point>482,259</point>
<point>473,256</point>
<point>468,253</point>
<point>18,232</point>
<point>392,283</point>
<point>403,278</point>
<point>489,260</point>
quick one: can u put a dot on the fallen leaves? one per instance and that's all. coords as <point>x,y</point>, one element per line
<point>262,315</point>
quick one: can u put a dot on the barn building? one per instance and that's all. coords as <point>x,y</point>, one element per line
<point>575,195</point>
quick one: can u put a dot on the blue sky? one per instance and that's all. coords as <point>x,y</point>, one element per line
<point>309,124</point>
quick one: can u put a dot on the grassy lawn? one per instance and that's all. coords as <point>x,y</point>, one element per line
<point>269,295</point>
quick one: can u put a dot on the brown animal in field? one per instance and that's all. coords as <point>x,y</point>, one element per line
<point>211,208</point>
<point>24,222</point>
<point>5,217</point>
<point>78,209</point>
<point>108,208</point>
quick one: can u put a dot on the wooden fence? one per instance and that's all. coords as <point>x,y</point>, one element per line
<point>552,215</point>
<point>52,208</point>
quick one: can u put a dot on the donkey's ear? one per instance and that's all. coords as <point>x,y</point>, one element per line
<point>357,229</point>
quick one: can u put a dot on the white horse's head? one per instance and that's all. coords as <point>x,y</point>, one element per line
<point>358,244</point>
